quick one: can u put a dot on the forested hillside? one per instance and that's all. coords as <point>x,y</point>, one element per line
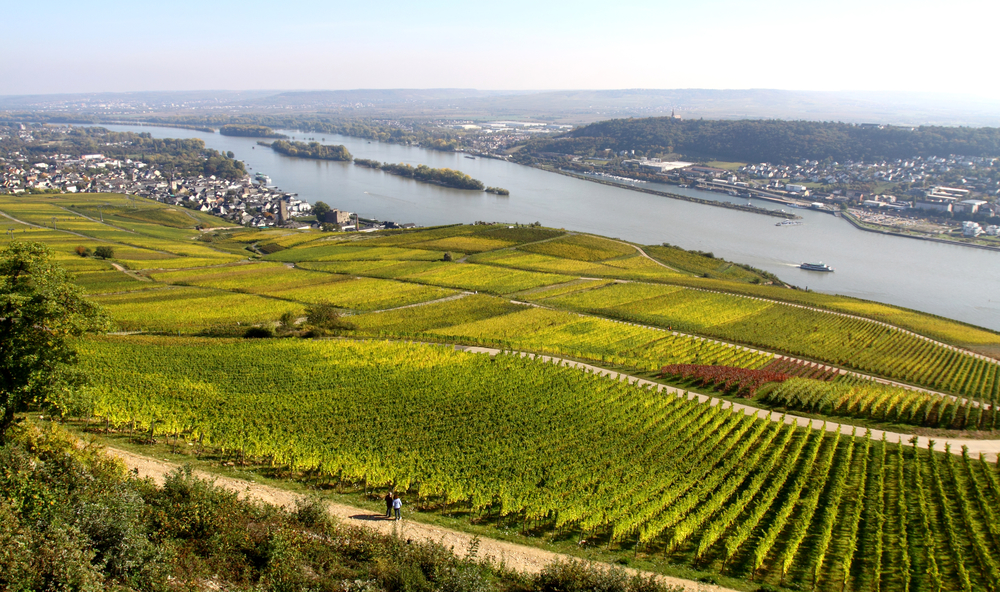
<point>771,140</point>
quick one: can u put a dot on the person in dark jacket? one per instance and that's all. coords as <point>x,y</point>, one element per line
<point>388,504</point>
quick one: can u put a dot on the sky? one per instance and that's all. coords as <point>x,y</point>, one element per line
<point>872,45</point>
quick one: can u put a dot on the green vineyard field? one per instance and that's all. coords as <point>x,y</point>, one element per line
<point>530,442</point>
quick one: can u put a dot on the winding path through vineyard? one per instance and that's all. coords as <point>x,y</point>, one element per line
<point>519,557</point>
<point>989,448</point>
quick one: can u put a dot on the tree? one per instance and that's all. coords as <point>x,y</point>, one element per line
<point>39,311</point>
<point>320,209</point>
<point>323,319</point>
<point>104,252</point>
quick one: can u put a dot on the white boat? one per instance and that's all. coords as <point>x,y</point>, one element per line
<point>788,223</point>
<point>815,267</point>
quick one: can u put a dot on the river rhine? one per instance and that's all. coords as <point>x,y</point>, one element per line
<point>952,281</point>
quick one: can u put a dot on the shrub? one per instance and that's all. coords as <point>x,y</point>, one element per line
<point>258,332</point>
<point>580,576</point>
<point>311,513</point>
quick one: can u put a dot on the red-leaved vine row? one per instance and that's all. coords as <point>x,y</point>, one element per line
<point>736,381</point>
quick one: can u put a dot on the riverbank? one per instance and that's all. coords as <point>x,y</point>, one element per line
<point>707,202</point>
<point>921,275</point>
<point>867,228</point>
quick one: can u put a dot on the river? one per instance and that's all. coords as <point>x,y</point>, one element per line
<point>948,280</point>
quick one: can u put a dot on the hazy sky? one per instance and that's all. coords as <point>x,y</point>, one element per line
<point>910,45</point>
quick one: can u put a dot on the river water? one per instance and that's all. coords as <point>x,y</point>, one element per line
<point>952,281</point>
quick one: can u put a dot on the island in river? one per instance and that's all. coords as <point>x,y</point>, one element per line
<point>446,177</point>
<point>310,150</point>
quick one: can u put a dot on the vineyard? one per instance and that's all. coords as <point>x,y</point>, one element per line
<point>526,445</point>
<point>544,266</point>
<point>581,247</point>
<point>338,251</point>
<point>381,269</point>
<point>485,278</point>
<point>536,446</point>
<point>190,310</point>
<point>741,382</point>
<point>870,400</point>
<point>848,342</point>
<point>634,267</point>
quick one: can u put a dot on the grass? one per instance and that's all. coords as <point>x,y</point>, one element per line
<point>729,166</point>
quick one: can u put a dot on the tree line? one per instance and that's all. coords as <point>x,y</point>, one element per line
<point>249,131</point>
<point>393,132</point>
<point>311,150</point>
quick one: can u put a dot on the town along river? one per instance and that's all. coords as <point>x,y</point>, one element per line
<point>949,280</point>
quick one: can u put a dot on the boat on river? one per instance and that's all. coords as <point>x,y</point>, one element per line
<point>815,267</point>
<point>789,223</point>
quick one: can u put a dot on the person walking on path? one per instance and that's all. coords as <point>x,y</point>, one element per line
<point>396,505</point>
<point>388,504</point>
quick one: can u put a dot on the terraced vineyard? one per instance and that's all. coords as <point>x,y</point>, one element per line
<point>550,448</point>
<point>536,264</point>
<point>860,344</point>
<point>531,446</point>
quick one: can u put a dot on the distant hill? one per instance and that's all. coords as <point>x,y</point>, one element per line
<point>851,107</point>
<point>564,106</point>
<point>771,140</point>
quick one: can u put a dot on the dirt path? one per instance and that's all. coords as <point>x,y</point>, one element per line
<point>130,273</point>
<point>519,557</point>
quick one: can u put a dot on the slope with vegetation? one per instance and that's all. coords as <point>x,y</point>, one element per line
<point>72,518</point>
<point>703,486</point>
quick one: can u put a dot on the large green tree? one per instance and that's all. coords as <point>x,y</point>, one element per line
<point>320,209</point>
<point>40,313</point>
